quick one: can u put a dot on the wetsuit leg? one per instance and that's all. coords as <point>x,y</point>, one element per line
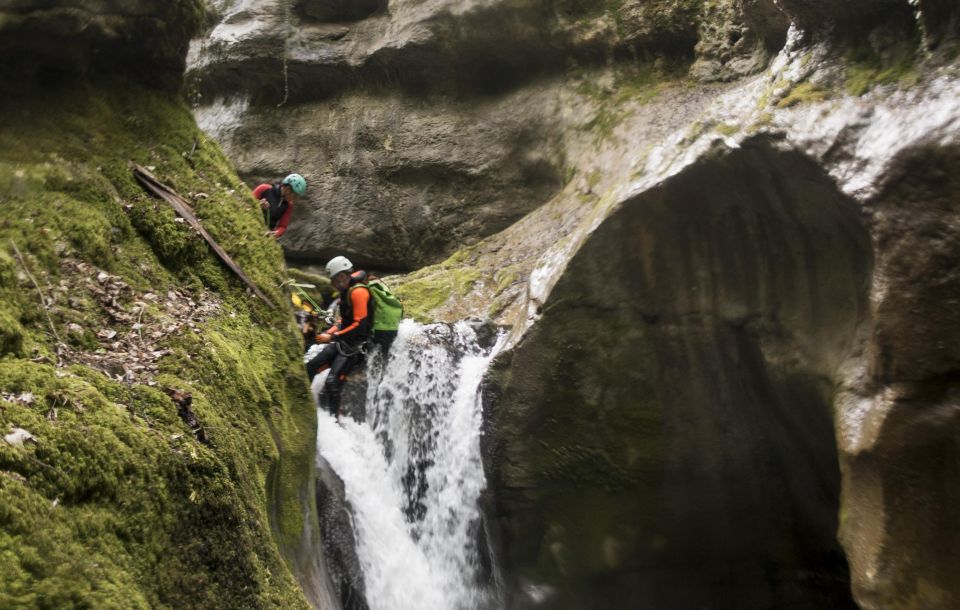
<point>384,339</point>
<point>321,361</point>
<point>334,384</point>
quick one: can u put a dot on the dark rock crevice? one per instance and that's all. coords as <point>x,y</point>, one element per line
<point>828,19</point>
<point>146,41</point>
<point>940,20</point>
<point>338,10</point>
<point>663,437</point>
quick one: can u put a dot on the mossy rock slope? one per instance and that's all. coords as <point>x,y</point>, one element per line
<point>113,495</point>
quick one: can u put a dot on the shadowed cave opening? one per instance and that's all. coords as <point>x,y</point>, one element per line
<point>698,464</point>
<point>337,11</point>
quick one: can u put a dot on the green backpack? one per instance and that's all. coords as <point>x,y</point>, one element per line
<point>388,310</point>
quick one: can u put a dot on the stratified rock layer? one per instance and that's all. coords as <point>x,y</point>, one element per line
<point>406,121</point>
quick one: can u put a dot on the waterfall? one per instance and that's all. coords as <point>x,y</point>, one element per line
<point>412,472</point>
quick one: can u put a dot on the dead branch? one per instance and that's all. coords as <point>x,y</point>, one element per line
<point>43,297</point>
<point>180,205</point>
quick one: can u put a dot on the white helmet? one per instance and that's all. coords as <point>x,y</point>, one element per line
<point>338,264</point>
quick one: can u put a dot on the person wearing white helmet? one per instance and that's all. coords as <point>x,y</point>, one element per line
<point>347,338</point>
<point>277,200</point>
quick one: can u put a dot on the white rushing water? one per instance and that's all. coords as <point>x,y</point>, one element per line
<point>412,472</point>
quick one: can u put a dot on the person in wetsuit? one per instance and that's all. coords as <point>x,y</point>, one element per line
<point>277,202</point>
<point>347,339</point>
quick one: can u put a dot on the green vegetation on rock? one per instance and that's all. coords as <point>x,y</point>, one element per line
<point>805,92</point>
<point>428,289</point>
<point>868,67</point>
<point>630,86</point>
<point>120,498</point>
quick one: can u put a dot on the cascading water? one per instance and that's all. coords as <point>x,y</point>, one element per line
<point>412,472</point>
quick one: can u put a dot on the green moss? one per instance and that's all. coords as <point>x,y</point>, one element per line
<point>119,504</point>
<point>868,68</point>
<point>11,334</point>
<point>727,129</point>
<point>430,288</point>
<point>767,95</point>
<point>176,244</point>
<point>422,293</point>
<point>803,93</point>
<point>632,85</point>
<point>505,277</point>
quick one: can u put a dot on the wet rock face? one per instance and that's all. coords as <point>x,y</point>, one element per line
<point>46,41</point>
<point>694,424</point>
<point>404,183</point>
<point>902,462</point>
<point>339,544</point>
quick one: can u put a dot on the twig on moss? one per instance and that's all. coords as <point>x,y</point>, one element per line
<point>43,298</point>
<point>140,317</point>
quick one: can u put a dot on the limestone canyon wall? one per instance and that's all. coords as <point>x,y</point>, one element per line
<point>724,236</point>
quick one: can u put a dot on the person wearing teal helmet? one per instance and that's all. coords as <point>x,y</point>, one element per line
<point>277,200</point>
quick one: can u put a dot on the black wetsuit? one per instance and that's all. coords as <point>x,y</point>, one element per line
<point>349,339</point>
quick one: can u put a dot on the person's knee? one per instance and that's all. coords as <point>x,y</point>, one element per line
<point>314,367</point>
<point>332,384</point>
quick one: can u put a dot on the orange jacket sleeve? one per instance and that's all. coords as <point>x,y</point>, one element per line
<point>360,299</point>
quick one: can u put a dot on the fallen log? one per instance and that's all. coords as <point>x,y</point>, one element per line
<point>182,208</point>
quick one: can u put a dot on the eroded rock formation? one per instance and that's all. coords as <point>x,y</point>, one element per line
<point>697,333</point>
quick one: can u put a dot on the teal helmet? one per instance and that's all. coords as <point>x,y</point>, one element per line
<point>296,183</point>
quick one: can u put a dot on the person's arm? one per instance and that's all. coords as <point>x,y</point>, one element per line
<point>328,335</point>
<point>260,190</point>
<point>284,221</point>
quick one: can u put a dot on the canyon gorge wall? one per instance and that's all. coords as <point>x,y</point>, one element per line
<point>722,234</point>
